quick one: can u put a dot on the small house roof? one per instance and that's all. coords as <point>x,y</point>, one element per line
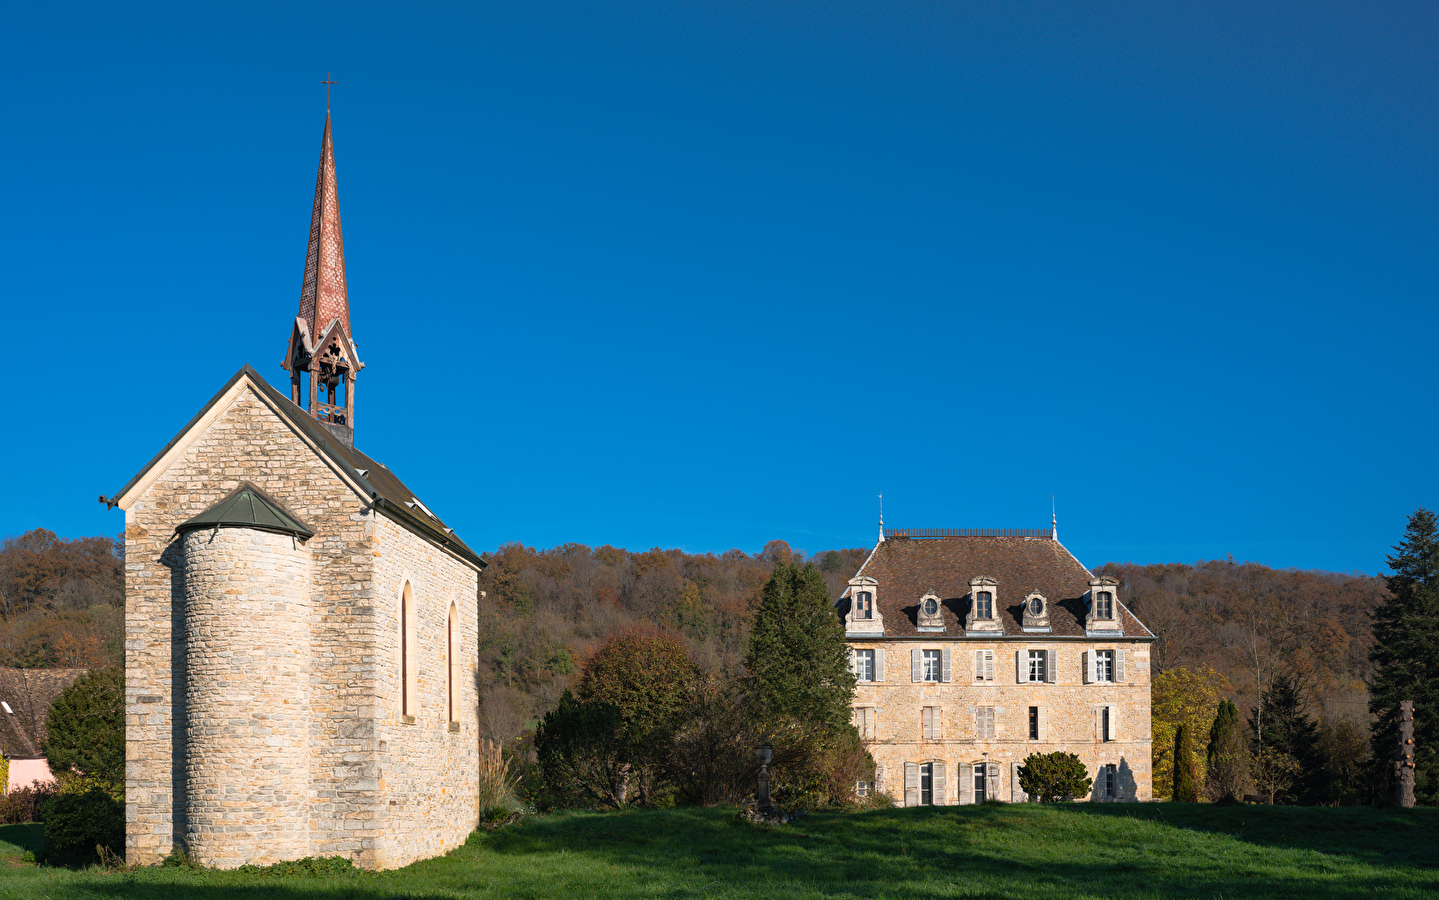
<point>247,507</point>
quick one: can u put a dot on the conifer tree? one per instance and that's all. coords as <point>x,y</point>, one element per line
<point>1406,657</point>
<point>1227,775</point>
<point>1287,730</point>
<point>797,660</point>
<point>1183,767</point>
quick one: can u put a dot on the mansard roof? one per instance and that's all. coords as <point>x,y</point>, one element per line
<point>373,480</point>
<point>906,568</point>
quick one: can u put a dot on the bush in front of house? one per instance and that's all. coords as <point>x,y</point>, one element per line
<point>79,823</point>
<point>23,804</point>
<point>86,730</point>
<point>1054,776</point>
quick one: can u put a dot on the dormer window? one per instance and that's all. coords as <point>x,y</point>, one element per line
<point>930,616</point>
<point>864,617</point>
<point>1035,613</point>
<point>1103,612</point>
<point>983,606</point>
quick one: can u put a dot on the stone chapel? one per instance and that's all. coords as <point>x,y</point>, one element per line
<point>300,629</point>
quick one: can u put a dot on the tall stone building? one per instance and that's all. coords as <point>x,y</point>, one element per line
<point>300,629</point>
<point>974,649</point>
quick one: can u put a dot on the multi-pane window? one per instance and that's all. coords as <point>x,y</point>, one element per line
<point>926,784</point>
<point>861,788</point>
<point>984,605</point>
<point>864,605</point>
<point>1037,659</point>
<point>984,665</point>
<point>1106,724</point>
<point>864,665</point>
<point>1034,723</point>
<point>1110,776</point>
<point>930,663</point>
<point>1104,665</point>
<point>984,723</point>
<point>1104,605</point>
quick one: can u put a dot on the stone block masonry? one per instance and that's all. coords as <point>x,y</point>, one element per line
<point>261,668</point>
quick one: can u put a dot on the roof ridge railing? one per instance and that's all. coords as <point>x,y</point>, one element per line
<point>927,533</point>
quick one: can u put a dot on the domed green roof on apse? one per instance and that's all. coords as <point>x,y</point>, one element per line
<point>247,507</point>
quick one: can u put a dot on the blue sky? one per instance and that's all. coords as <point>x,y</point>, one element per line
<point>702,275</point>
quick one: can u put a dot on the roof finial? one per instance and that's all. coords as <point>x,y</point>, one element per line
<point>881,518</point>
<point>327,90</point>
<point>1053,520</point>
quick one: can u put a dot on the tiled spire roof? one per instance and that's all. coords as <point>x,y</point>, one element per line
<point>323,295</point>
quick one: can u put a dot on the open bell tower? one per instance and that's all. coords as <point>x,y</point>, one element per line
<point>322,359</point>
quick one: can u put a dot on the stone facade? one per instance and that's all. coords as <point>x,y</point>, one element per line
<point>991,648</point>
<point>261,668</point>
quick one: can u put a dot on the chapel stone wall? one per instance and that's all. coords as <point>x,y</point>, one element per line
<point>247,688</point>
<point>428,763</point>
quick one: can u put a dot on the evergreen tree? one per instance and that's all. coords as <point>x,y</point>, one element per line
<point>1227,776</point>
<point>1406,657</point>
<point>797,660</point>
<point>86,730</point>
<point>1287,730</point>
<point>1184,767</point>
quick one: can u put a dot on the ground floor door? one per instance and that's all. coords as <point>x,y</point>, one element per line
<point>979,783</point>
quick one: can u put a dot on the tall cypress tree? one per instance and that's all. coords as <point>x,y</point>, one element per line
<point>1227,776</point>
<point>797,660</point>
<point>1183,767</point>
<point>1406,658</point>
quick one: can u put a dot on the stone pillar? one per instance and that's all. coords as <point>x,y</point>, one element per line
<point>247,640</point>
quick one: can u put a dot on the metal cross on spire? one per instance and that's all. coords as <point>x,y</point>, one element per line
<point>327,89</point>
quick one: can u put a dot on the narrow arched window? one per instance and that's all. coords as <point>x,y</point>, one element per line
<point>452,637</point>
<point>408,701</point>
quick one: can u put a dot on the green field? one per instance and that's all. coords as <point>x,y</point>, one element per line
<point>1028,852</point>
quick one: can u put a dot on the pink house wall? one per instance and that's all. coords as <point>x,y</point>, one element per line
<point>25,771</point>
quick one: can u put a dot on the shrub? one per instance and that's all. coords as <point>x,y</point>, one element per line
<point>78,823</point>
<point>23,804</point>
<point>86,730</point>
<point>1054,776</point>
<point>1227,774</point>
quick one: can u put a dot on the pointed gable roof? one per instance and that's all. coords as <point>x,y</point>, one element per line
<point>247,507</point>
<point>370,479</point>
<point>324,295</point>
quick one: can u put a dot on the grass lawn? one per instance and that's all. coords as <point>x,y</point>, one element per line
<point>1024,851</point>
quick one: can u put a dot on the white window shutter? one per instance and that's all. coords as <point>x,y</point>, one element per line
<point>853,661</point>
<point>979,665</point>
<point>1016,793</point>
<point>966,785</point>
<point>869,718</point>
<point>915,674</point>
<point>944,670</point>
<point>1089,667</point>
<point>1114,723</point>
<point>1021,671</point>
<point>1119,665</point>
<point>1051,665</point>
<point>1043,724</point>
<point>924,724</point>
<point>998,717</point>
<point>941,796</point>
<point>879,664</point>
<point>936,723</point>
<point>989,665</point>
<point>911,784</point>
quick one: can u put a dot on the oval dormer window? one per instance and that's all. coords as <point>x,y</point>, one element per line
<point>1036,606</point>
<point>931,607</point>
<point>984,605</point>
<point>864,605</point>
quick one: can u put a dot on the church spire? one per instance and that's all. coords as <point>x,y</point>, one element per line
<point>322,360</point>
